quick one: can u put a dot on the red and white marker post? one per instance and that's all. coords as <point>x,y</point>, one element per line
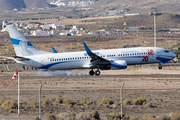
<point>15,74</point>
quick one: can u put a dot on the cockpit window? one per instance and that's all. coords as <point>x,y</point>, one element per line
<point>166,51</point>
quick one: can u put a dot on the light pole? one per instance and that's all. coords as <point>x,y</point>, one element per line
<point>154,29</point>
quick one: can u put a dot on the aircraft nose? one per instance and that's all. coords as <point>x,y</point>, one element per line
<point>173,55</point>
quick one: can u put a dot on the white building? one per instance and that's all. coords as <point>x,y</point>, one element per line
<point>45,27</point>
<point>57,26</point>
<point>40,33</point>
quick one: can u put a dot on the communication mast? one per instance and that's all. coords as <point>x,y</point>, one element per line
<point>124,31</point>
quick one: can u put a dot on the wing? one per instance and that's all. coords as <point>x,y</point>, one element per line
<point>96,61</point>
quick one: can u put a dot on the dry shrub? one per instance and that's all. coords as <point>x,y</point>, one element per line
<point>59,100</point>
<point>35,106</point>
<point>136,102</point>
<point>175,116</point>
<point>66,116</point>
<point>141,100</point>
<point>10,105</point>
<point>27,106</point>
<point>71,114</point>
<point>106,101</point>
<point>164,117</point>
<point>10,111</point>
<point>69,102</point>
<point>21,102</point>
<point>63,116</point>
<point>83,116</point>
<point>95,114</point>
<point>50,117</point>
<point>135,118</point>
<point>117,103</point>
<point>85,102</point>
<point>126,102</point>
<point>45,102</point>
<point>32,102</point>
<point>36,118</point>
<point>116,116</point>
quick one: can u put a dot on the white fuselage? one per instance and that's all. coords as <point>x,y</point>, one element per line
<point>81,60</point>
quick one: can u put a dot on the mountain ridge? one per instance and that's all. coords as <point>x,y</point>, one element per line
<point>20,4</point>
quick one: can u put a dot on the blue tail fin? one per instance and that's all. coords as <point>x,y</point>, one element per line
<point>21,45</point>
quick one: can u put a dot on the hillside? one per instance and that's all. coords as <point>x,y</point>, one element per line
<point>163,21</point>
<point>135,6</point>
<point>19,4</point>
<point>37,4</point>
<point>11,4</point>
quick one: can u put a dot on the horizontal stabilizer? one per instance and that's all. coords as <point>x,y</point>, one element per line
<point>21,58</point>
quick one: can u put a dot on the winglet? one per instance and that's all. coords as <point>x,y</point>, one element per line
<point>54,50</point>
<point>87,49</point>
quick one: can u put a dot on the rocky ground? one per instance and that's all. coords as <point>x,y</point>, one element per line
<point>159,88</point>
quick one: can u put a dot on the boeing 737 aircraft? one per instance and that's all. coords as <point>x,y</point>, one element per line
<point>109,59</point>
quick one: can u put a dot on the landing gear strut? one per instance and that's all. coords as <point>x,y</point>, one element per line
<point>97,72</point>
<point>160,66</point>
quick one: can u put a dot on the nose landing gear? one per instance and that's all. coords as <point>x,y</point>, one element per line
<point>160,66</point>
<point>97,72</point>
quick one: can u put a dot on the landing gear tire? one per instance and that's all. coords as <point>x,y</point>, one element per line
<point>91,72</point>
<point>160,67</point>
<point>97,72</point>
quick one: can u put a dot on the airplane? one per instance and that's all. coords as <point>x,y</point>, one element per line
<point>108,59</point>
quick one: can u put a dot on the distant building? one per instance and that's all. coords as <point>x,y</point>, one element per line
<point>132,14</point>
<point>40,33</point>
<point>57,26</point>
<point>45,27</point>
<point>5,23</point>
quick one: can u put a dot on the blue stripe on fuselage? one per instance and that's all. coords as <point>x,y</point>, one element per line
<point>162,59</point>
<point>55,63</point>
<point>17,42</point>
<point>52,64</point>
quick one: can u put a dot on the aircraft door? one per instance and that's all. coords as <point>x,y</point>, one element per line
<point>151,55</point>
<point>158,53</point>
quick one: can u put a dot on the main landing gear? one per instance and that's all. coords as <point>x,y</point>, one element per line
<point>97,72</point>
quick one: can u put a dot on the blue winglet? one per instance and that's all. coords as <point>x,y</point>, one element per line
<point>54,50</point>
<point>87,49</point>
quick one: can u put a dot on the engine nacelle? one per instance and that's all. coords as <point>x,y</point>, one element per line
<point>119,64</point>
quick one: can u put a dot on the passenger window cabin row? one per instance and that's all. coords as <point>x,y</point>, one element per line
<point>63,59</point>
<point>79,58</point>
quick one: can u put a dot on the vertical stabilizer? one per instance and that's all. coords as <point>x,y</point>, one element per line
<point>21,45</point>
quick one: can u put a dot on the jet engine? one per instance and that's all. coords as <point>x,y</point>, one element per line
<point>119,64</point>
<point>114,65</point>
